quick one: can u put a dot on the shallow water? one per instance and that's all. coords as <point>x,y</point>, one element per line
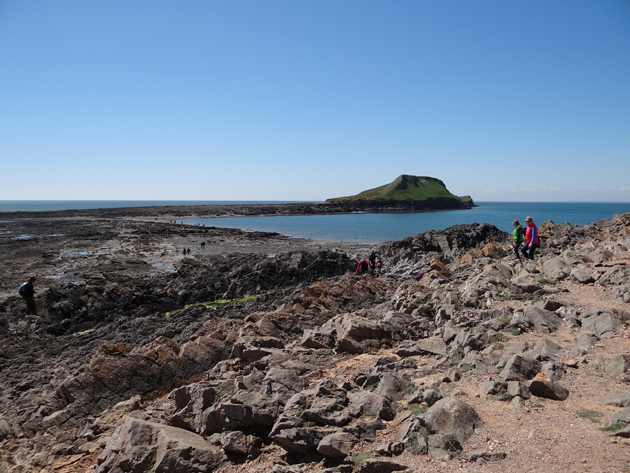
<point>376,228</point>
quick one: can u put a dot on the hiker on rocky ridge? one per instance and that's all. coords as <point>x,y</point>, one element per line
<point>373,260</point>
<point>531,239</point>
<point>27,291</point>
<point>363,266</point>
<point>517,238</point>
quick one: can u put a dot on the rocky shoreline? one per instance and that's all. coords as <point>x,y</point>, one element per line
<point>260,352</point>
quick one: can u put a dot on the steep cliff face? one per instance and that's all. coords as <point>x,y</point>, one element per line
<point>406,190</point>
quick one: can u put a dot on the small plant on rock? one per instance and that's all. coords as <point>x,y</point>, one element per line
<point>455,359</point>
<point>512,330</point>
<point>412,389</point>
<point>544,281</point>
<point>506,397</point>
<point>414,446</point>
<point>614,427</point>
<point>417,409</point>
<point>499,337</point>
<point>361,457</point>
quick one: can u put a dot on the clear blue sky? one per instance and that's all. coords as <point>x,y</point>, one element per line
<point>305,100</point>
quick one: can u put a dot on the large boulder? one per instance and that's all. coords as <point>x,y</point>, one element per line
<point>452,416</point>
<point>139,445</point>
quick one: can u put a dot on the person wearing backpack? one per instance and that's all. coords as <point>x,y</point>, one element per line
<point>27,291</point>
<point>517,238</point>
<point>531,239</point>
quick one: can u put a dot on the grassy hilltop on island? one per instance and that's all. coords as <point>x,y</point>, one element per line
<point>410,188</point>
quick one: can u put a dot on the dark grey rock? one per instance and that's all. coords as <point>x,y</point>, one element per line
<point>380,465</point>
<point>543,320</point>
<point>392,387</point>
<point>487,456</point>
<point>337,445</point>
<point>554,371</point>
<point>298,440</point>
<point>519,368</point>
<point>548,390</point>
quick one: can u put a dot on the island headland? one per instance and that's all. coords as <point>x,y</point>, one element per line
<point>404,194</point>
<point>262,353</point>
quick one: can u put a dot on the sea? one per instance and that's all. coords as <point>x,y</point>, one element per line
<point>366,228</point>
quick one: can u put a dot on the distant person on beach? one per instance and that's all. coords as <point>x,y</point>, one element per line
<point>373,261</point>
<point>184,251</point>
<point>531,239</point>
<point>379,265</point>
<point>188,250</point>
<point>27,291</point>
<point>517,238</point>
<point>363,266</point>
<point>203,245</point>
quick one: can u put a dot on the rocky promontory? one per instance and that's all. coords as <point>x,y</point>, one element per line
<point>260,353</point>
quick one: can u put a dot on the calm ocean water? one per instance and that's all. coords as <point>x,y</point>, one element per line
<point>369,228</point>
<point>40,205</point>
<point>376,228</point>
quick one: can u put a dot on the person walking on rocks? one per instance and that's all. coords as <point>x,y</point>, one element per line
<point>531,239</point>
<point>517,237</point>
<point>373,260</point>
<point>363,266</point>
<point>27,291</point>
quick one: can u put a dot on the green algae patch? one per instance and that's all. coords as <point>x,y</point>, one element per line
<point>214,304</point>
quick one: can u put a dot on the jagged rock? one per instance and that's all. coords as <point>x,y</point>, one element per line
<point>526,284</point>
<point>624,433</point>
<point>487,456</point>
<point>556,268</point>
<point>548,389</point>
<point>545,350</point>
<point>337,445</point>
<point>5,429</point>
<point>373,404</point>
<point>298,440</point>
<point>139,445</point>
<point>452,416</point>
<point>554,371</point>
<point>618,366</point>
<point>365,430</point>
<point>517,388</point>
<point>392,387</point>
<point>585,341</point>
<point>442,447</point>
<point>433,345</point>
<point>544,321</point>
<point>607,323</point>
<point>617,399</point>
<point>519,368</point>
<point>623,416</point>
<point>380,465</point>
<point>582,276</point>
